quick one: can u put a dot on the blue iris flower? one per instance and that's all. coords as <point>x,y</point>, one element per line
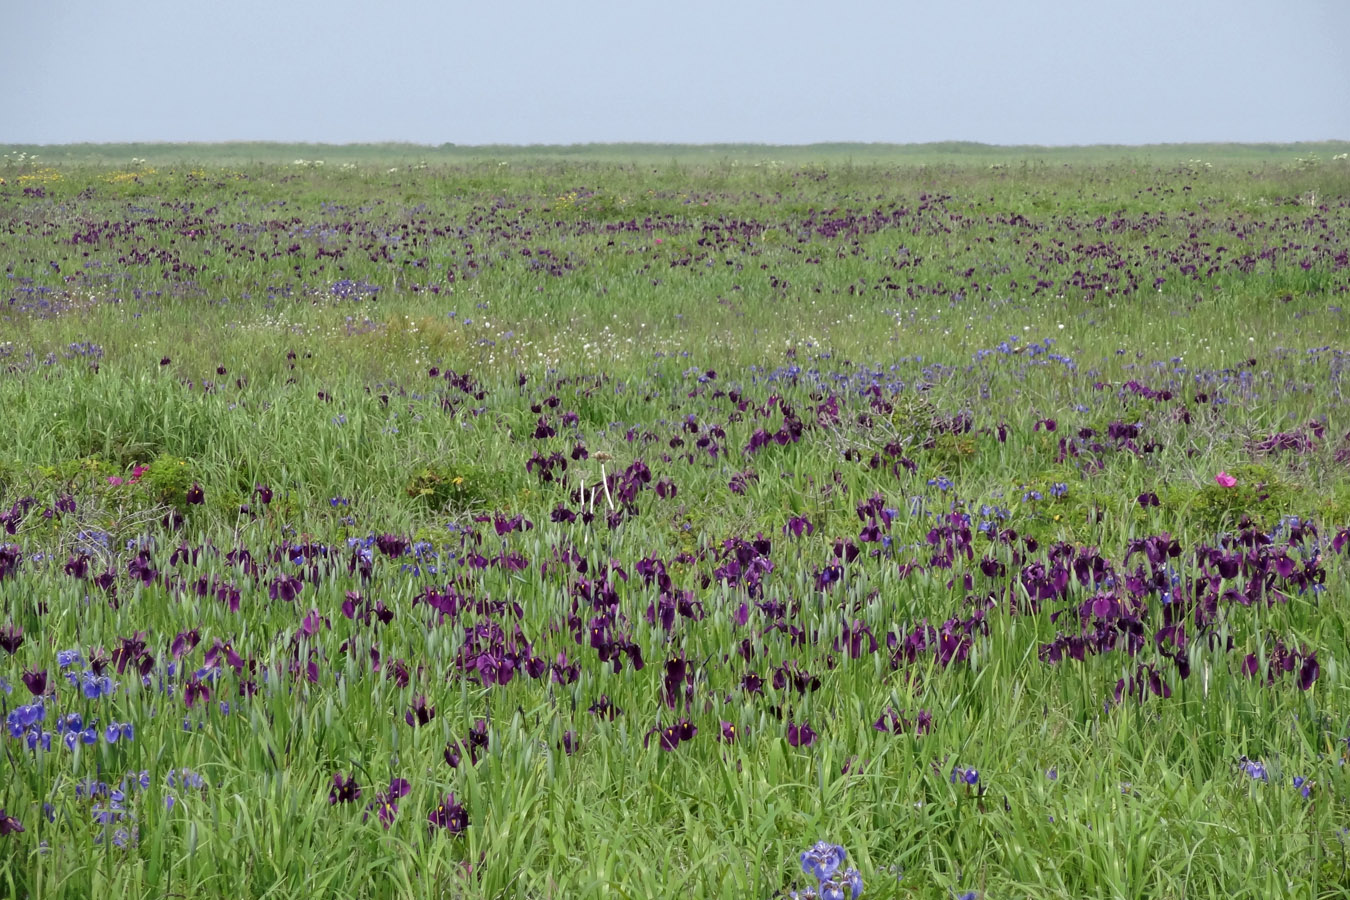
<point>823,860</point>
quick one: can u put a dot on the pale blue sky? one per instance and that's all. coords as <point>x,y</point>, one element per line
<point>528,71</point>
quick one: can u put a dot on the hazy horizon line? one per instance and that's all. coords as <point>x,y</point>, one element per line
<point>696,144</point>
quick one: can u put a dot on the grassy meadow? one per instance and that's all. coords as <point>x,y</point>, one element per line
<point>623,522</point>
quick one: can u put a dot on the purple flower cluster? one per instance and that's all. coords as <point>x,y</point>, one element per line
<point>822,862</point>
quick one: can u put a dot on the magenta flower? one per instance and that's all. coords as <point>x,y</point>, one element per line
<point>1225,480</point>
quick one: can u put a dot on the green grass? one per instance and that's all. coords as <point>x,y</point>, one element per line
<point>237,153</point>
<point>221,318</point>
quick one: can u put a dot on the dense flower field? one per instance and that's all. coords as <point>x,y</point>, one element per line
<point>621,531</point>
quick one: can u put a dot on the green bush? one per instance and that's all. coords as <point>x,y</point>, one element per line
<point>445,488</point>
<point>169,478</point>
<point>1260,494</point>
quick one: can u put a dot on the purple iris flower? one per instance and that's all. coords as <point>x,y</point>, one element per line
<point>448,815</point>
<point>9,824</point>
<point>344,790</point>
<point>36,681</point>
<point>802,735</point>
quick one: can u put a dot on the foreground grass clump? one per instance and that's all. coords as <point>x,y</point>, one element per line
<point>579,530</point>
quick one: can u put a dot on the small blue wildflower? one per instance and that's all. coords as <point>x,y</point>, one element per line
<point>852,879</point>
<point>106,815</point>
<point>95,686</point>
<point>823,860</point>
<point>24,716</point>
<point>185,778</point>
